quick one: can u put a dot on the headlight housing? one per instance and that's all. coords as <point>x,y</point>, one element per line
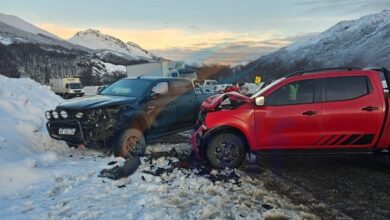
<point>64,114</point>
<point>79,115</point>
<point>48,115</point>
<point>55,114</point>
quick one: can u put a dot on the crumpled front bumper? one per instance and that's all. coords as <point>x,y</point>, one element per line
<point>197,140</point>
<point>53,128</point>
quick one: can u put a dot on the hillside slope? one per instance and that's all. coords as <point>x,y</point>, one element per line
<point>16,22</point>
<point>28,51</point>
<point>362,42</point>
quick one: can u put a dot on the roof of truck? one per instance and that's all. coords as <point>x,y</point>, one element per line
<point>155,78</point>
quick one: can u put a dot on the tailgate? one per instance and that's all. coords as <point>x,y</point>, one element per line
<point>384,139</point>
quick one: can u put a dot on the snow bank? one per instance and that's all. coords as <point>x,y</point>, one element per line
<point>5,40</point>
<point>23,134</point>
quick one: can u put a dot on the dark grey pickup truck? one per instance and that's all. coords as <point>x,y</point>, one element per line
<point>127,114</point>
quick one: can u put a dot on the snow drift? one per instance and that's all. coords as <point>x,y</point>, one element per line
<point>22,131</point>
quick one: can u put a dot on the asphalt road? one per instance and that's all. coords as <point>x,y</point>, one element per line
<point>333,187</point>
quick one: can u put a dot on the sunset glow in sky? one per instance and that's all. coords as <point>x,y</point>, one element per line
<point>226,31</point>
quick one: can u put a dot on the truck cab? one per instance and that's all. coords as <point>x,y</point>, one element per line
<point>67,87</point>
<point>73,89</point>
<point>127,114</point>
<point>209,86</point>
<point>342,109</point>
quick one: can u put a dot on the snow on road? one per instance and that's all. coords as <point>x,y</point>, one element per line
<point>43,179</point>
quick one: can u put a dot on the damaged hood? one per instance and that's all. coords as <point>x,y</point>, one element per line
<point>212,102</point>
<point>96,102</point>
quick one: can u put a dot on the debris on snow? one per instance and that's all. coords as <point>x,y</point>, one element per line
<point>117,172</point>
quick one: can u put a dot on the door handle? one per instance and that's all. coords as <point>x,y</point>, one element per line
<point>309,113</point>
<point>369,108</point>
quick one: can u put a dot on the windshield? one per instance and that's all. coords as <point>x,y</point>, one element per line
<point>127,87</point>
<point>266,88</point>
<point>75,86</point>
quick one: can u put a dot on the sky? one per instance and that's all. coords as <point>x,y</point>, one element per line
<point>201,31</point>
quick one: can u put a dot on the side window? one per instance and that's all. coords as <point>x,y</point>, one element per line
<point>67,86</point>
<point>300,92</point>
<point>161,88</point>
<point>345,88</point>
<point>181,87</point>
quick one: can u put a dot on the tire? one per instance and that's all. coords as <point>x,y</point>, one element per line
<point>226,150</point>
<point>124,144</point>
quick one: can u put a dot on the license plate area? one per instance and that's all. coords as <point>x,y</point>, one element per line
<point>67,131</point>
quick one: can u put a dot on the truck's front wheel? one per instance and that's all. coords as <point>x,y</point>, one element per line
<point>226,150</point>
<point>131,141</point>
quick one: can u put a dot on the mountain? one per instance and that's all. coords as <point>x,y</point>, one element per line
<point>10,34</point>
<point>106,45</point>
<point>28,51</point>
<point>362,42</point>
<point>25,26</point>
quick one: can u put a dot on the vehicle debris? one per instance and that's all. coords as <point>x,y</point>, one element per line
<point>118,172</point>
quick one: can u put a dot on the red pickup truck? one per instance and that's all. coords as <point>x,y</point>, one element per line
<point>337,109</point>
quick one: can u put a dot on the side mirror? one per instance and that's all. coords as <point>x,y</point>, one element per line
<point>153,94</point>
<point>260,101</point>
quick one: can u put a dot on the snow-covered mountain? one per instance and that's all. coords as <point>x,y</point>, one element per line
<point>27,50</point>
<point>106,44</point>
<point>25,26</point>
<point>10,34</point>
<point>362,42</point>
<point>16,30</point>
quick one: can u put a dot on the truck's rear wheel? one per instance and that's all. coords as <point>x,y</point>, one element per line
<point>131,141</point>
<point>226,150</point>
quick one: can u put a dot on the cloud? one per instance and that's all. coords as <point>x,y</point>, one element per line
<point>346,6</point>
<point>231,53</point>
<point>195,46</point>
<point>165,38</point>
<point>193,27</point>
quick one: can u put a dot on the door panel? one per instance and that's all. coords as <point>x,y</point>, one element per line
<point>290,117</point>
<point>161,109</point>
<point>185,102</point>
<point>281,127</point>
<point>353,122</point>
<point>162,113</point>
<point>185,110</point>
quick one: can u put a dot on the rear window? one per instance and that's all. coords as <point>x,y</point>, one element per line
<point>181,87</point>
<point>345,88</point>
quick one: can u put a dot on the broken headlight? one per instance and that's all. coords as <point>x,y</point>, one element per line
<point>64,114</point>
<point>55,114</point>
<point>79,115</point>
<point>48,115</point>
